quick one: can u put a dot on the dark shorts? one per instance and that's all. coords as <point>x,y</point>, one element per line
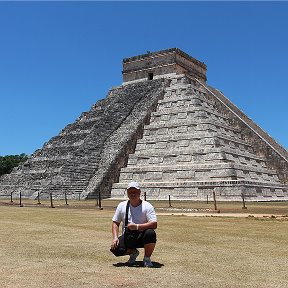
<point>145,237</point>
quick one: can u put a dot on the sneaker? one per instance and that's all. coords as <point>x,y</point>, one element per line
<point>147,262</point>
<point>133,257</point>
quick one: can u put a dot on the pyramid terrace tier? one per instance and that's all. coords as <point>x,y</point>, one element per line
<point>79,126</point>
<point>189,99</point>
<point>191,113</point>
<point>193,154</point>
<point>58,151</point>
<point>27,183</point>
<point>190,127</point>
<point>195,172</point>
<point>191,106</point>
<point>231,190</point>
<point>196,139</point>
<point>44,163</point>
<point>69,139</point>
<point>207,139</point>
<point>184,91</point>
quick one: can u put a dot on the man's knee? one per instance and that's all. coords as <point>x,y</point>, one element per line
<point>121,249</point>
<point>149,236</point>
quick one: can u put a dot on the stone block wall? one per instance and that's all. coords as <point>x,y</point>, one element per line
<point>163,62</point>
<point>194,144</point>
<point>263,144</point>
<point>86,155</point>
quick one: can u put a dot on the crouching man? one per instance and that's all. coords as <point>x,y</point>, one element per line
<point>138,228</point>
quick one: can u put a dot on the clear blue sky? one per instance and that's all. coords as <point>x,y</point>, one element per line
<point>58,58</point>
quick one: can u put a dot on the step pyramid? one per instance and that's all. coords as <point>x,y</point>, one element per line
<point>165,128</point>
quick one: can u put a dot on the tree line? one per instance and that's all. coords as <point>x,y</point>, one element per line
<point>8,162</point>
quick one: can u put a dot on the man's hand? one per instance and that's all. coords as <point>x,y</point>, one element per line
<point>132,226</point>
<point>115,232</point>
<point>115,243</point>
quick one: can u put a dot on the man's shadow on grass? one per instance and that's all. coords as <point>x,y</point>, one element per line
<point>137,264</point>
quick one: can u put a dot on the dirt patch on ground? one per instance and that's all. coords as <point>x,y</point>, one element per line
<point>219,214</point>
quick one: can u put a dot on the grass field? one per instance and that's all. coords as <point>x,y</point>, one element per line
<point>69,247</point>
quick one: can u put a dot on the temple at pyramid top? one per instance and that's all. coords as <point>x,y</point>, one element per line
<point>153,65</point>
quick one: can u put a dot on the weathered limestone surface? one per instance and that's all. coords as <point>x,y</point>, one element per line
<point>198,143</point>
<point>166,128</point>
<point>264,144</point>
<point>86,156</point>
<point>162,63</point>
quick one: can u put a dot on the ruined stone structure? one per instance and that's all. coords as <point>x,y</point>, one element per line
<point>166,128</point>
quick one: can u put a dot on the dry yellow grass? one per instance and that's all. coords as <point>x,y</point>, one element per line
<point>44,247</point>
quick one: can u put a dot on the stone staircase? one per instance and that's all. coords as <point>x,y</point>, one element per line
<point>194,146</point>
<point>94,146</point>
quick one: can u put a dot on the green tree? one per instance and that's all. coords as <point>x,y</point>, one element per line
<point>8,162</point>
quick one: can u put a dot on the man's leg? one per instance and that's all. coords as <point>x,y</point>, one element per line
<point>149,241</point>
<point>148,249</point>
<point>120,250</point>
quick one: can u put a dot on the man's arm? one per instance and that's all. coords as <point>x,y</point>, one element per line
<point>115,231</point>
<point>141,227</point>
